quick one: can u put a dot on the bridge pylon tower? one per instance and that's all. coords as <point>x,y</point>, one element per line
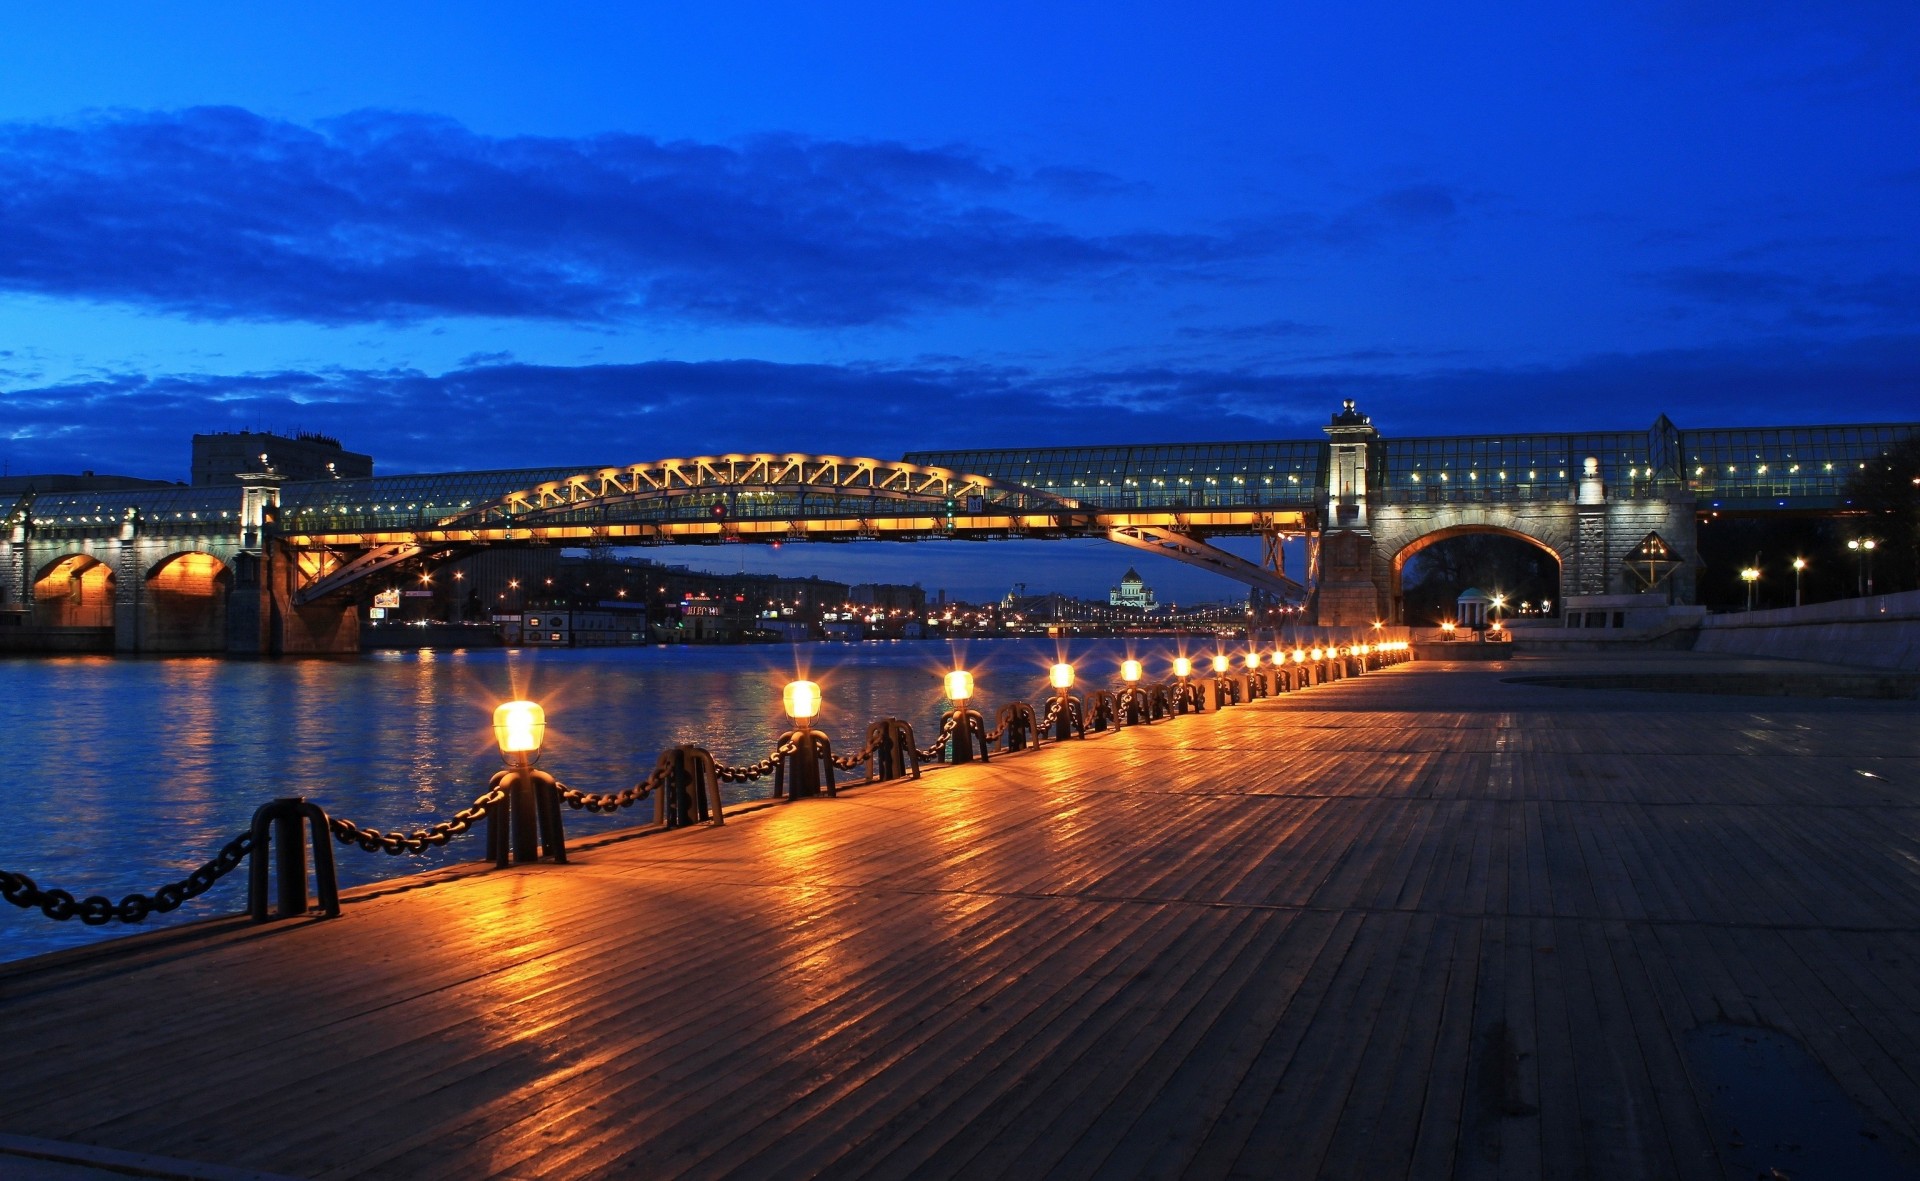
<point>1346,594</point>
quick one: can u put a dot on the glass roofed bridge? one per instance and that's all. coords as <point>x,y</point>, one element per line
<point>284,566</point>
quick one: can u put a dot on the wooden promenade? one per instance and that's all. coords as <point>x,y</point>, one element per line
<point>1423,923</point>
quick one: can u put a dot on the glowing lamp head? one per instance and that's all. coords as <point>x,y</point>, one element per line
<point>1377,625</point>
<point>1182,667</point>
<point>1220,664</point>
<point>801,699</point>
<point>1130,671</point>
<point>520,727</point>
<point>1799,563</point>
<point>1253,660</point>
<point>1061,675</point>
<point>1316,654</point>
<point>1498,626</point>
<point>1363,649</point>
<point>959,685</point>
<point>1299,655</point>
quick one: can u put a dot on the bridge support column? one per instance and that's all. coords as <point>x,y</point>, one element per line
<point>1348,596</point>
<point>16,573</point>
<point>311,629</point>
<point>1589,575</point>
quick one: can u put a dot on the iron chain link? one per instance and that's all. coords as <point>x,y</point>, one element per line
<point>98,909</point>
<point>612,801</point>
<point>420,839</point>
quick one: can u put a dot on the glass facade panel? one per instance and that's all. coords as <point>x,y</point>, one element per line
<point>1784,467</point>
<point>1213,475</point>
<point>1456,468</point>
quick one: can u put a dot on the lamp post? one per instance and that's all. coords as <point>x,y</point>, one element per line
<point>809,748</point>
<point>1750,576</point>
<point>1133,711</point>
<point>531,822</point>
<point>1863,550</point>
<point>1066,711</point>
<point>1183,672</point>
<point>1223,694</point>
<point>1799,564</point>
<point>959,686</point>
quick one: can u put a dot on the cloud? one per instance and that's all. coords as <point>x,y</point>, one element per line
<point>1419,203</point>
<point>500,415</point>
<point>1281,329</point>
<point>1890,298</point>
<point>223,214</point>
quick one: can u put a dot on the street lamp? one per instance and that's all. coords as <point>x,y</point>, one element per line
<point>530,821</point>
<point>1750,576</point>
<point>966,722</point>
<point>1799,564</point>
<point>1863,549</point>
<point>1066,711</point>
<point>1133,705</point>
<point>806,751</point>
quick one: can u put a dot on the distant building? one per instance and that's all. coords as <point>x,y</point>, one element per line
<point>220,458</point>
<point>1132,592</point>
<point>888,596</point>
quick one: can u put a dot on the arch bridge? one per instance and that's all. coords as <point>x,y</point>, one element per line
<point>281,566</point>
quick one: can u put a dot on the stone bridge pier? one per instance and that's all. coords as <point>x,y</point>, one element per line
<point>126,588</point>
<point>1373,532</point>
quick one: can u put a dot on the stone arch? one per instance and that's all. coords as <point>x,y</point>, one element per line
<point>74,590</point>
<point>184,608</point>
<point>1397,566</point>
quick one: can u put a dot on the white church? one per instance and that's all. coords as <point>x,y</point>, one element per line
<point>1132,592</point>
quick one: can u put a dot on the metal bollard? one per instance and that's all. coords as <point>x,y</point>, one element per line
<point>277,824</point>
<point>526,824</point>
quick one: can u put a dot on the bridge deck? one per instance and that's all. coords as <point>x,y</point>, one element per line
<point>1418,924</point>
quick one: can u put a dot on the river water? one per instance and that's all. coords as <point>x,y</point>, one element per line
<point>129,773</point>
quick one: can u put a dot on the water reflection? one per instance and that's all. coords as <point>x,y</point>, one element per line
<point>135,771</point>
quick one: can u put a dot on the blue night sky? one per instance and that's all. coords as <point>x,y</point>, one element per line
<point>465,236</point>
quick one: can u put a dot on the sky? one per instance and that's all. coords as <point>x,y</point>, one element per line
<point>464,236</point>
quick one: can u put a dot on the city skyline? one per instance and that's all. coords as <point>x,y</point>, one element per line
<point>487,238</point>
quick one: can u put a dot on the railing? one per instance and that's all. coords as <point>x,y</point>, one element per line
<point>522,805</point>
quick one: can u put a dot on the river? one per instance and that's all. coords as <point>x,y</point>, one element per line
<point>131,772</point>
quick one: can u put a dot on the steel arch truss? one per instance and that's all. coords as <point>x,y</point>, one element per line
<point>767,498</point>
<point>756,485</point>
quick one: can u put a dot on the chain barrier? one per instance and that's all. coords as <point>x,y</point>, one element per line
<point>849,762</point>
<point>98,909</point>
<point>420,839</point>
<point>612,801</point>
<point>939,746</point>
<point>753,771</point>
<point>891,740</point>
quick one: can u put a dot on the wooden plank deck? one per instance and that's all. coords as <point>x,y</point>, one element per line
<point>1422,923</point>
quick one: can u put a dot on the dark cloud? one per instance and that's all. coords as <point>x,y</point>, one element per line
<point>1281,329</point>
<point>223,214</point>
<point>1890,298</point>
<point>1419,203</point>
<point>519,415</point>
